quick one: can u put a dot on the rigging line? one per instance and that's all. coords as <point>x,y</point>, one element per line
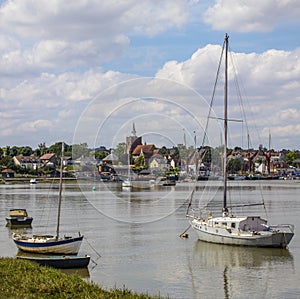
<point>49,207</point>
<point>98,254</point>
<point>250,110</point>
<point>239,94</point>
<point>213,94</point>
<point>190,201</point>
<point>209,115</point>
<point>263,199</point>
<point>181,235</point>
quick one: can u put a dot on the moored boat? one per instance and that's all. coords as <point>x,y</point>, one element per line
<point>18,217</point>
<point>59,261</point>
<point>48,243</point>
<point>229,229</point>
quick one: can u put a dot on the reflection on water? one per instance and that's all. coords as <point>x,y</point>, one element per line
<point>83,272</point>
<point>242,271</point>
<point>20,230</point>
<point>136,234</point>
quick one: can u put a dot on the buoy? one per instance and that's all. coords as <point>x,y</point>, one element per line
<point>185,235</point>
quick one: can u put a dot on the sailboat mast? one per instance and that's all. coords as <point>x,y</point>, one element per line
<point>60,190</point>
<point>225,126</point>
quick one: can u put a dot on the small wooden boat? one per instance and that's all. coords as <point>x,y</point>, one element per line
<point>18,217</point>
<point>59,261</point>
<point>50,244</point>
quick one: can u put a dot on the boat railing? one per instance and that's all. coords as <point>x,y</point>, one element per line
<point>283,227</point>
<point>199,213</point>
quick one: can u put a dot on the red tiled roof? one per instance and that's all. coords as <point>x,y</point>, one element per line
<point>47,156</point>
<point>147,148</point>
<point>7,170</point>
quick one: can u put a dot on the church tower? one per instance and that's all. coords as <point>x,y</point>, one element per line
<point>132,141</point>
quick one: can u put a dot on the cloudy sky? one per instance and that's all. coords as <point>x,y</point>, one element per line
<point>86,70</point>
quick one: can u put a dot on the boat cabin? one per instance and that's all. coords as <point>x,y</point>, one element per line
<point>18,213</point>
<point>18,217</point>
<point>247,223</point>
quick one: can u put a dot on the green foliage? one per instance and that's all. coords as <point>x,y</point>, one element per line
<point>290,157</point>
<point>56,148</point>
<point>120,149</point>
<point>139,161</point>
<point>100,155</point>
<point>7,162</point>
<point>234,165</point>
<point>163,151</point>
<point>24,279</point>
<point>80,150</point>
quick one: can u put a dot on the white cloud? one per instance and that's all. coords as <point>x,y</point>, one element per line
<point>248,16</point>
<point>59,34</point>
<point>54,60</point>
<point>268,81</point>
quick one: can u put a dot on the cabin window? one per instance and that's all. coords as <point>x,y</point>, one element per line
<point>224,223</point>
<point>233,225</point>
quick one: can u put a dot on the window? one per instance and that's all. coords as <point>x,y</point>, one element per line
<point>233,224</point>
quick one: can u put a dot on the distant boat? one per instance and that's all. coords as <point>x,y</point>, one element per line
<point>18,217</point>
<point>163,181</point>
<point>47,243</point>
<point>59,261</point>
<point>229,229</point>
<point>33,181</point>
<point>126,183</point>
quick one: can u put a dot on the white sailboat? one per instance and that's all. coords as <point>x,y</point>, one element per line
<point>46,244</point>
<point>244,230</point>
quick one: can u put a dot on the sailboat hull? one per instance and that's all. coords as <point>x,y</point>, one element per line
<point>48,244</point>
<point>276,238</point>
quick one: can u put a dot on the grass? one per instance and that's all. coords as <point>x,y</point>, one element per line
<point>27,280</point>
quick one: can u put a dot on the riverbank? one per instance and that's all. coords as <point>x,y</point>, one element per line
<point>24,279</point>
<point>26,180</point>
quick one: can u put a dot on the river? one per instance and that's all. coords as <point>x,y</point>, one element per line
<point>133,238</point>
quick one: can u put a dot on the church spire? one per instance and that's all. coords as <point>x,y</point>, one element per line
<point>133,132</point>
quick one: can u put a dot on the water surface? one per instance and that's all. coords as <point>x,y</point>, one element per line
<point>137,236</point>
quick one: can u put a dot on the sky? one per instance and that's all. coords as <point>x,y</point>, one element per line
<point>87,70</point>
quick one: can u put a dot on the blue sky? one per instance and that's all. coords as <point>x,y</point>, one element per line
<point>69,70</point>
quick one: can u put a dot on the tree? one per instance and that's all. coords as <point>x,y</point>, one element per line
<point>100,155</point>
<point>163,150</point>
<point>234,165</point>
<point>25,151</point>
<point>7,162</point>
<point>290,157</point>
<point>80,150</point>
<point>41,150</point>
<point>139,161</point>
<point>120,149</point>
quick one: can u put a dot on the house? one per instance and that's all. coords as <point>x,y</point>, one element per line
<point>28,162</point>
<point>158,162</point>
<point>111,159</point>
<point>49,159</point>
<point>7,173</point>
<point>146,151</point>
